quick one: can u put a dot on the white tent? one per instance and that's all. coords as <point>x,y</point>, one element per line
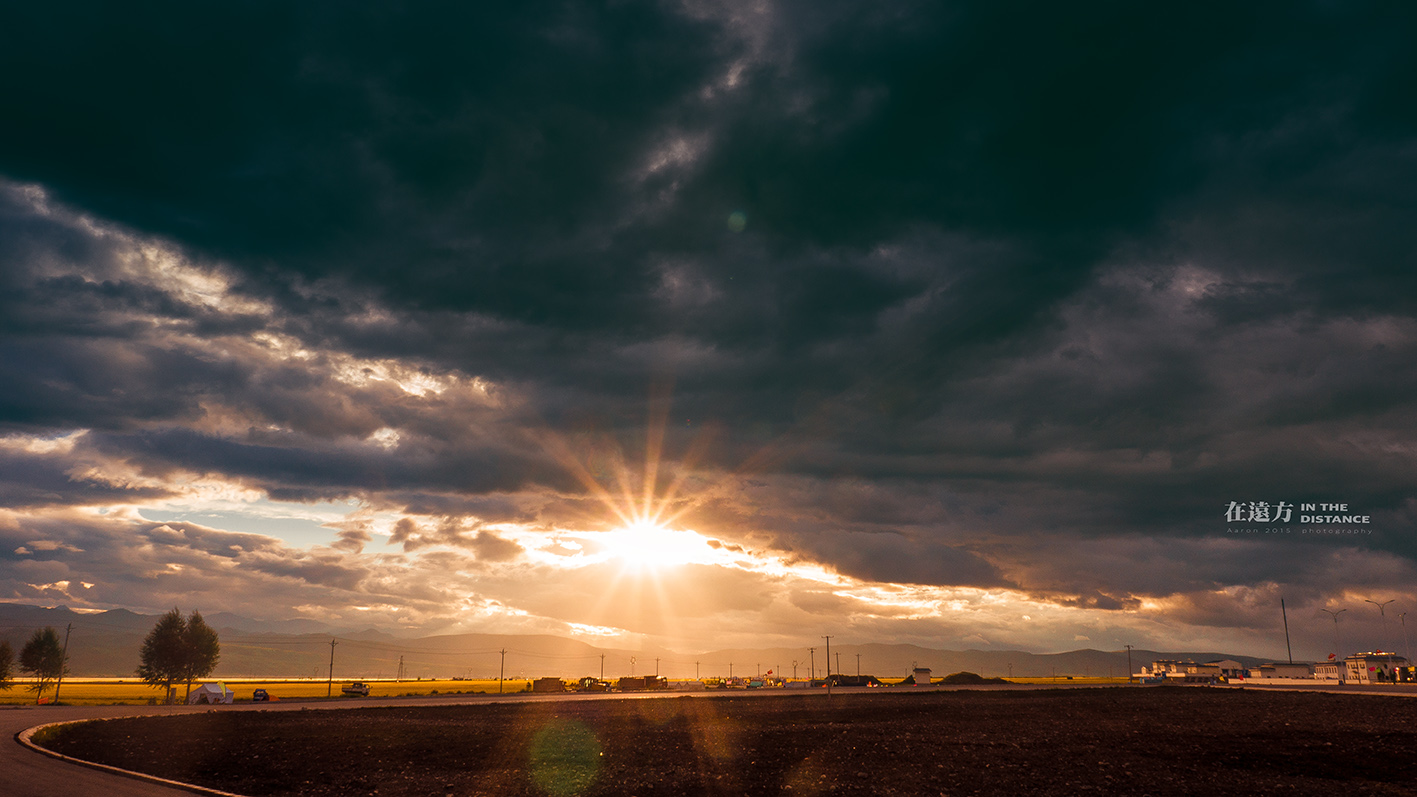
<point>211,693</point>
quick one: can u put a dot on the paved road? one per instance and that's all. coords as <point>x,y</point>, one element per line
<point>25,773</point>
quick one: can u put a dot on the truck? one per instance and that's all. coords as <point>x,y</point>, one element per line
<point>355,689</point>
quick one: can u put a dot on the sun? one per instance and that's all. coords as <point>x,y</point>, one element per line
<point>648,545</point>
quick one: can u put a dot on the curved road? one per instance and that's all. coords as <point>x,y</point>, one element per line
<point>25,773</point>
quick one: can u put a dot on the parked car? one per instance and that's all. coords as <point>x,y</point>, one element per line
<point>260,696</point>
<point>355,689</point>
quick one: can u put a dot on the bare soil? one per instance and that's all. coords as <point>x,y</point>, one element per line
<point>1135,741</point>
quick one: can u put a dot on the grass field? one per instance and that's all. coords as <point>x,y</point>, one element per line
<point>129,691</point>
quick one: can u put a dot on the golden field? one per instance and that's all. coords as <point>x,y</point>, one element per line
<point>130,691</point>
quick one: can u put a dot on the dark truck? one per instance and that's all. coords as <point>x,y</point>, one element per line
<point>647,683</point>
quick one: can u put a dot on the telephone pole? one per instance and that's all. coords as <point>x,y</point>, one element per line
<point>858,665</point>
<point>1287,647</point>
<point>812,673</point>
<point>829,665</point>
<point>602,666</point>
<point>502,672</point>
<point>330,684</point>
<point>1129,664</point>
<point>63,659</point>
<point>696,671</point>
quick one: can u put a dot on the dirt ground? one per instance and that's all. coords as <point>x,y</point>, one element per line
<point>1135,741</point>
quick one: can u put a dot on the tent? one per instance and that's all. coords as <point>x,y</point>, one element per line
<point>211,693</point>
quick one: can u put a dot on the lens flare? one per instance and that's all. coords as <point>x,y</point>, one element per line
<point>565,758</point>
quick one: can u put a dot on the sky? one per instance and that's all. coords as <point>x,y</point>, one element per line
<point>702,324</point>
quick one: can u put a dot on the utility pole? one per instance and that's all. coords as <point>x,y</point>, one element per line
<point>602,666</point>
<point>794,669</point>
<point>858,665</point>
<point>502,671</point>
<point>730,669</point>
<point>829,665</point>
<point>400,678</point>
<point>656,667</point>
<point>1337,645</point>
<point>812,673</point>
<point>63,659</point>
<point>1286,630</point>
<point>1406,641</point>
<point>330,684</point>
<point>838,660</point>
<point>696,671</point>
<point>1129,664</point>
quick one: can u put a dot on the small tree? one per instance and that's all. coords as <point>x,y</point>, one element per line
<point>43,658</point>
<point>163,657</point>
<point>7,665</point>
<point>202,650</point>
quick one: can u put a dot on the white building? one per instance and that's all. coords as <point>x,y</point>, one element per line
<point>1373,668</point>
<point>1332,670</point>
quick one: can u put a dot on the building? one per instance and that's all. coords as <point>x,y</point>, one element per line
<point>1184,672</point>
<point>1375,667</point>
<point>1229,668</point>
<point>1285,670</point>
<point>922,676</point>
<point>1331,670</point>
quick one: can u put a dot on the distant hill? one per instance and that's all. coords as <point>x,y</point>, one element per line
<point>107,644</point>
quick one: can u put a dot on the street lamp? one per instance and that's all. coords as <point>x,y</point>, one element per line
<point>1382,614</point>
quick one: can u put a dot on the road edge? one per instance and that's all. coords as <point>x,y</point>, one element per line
<point>25,739</point>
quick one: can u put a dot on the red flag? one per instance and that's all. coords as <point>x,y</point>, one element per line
<point>1330,656</point>
<point>769,672</point>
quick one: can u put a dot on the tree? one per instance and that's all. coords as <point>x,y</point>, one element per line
<point>202,650</point>
<point>43,658</point>
<point>163,657</point>
<point>7,665</point>
<point>179,650</point>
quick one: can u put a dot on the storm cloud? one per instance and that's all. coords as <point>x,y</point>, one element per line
<point>986,299</point>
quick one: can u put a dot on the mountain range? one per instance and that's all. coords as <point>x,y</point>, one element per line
<point>106,644</point>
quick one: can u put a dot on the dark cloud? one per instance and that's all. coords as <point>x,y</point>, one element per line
<point>976,295</point>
